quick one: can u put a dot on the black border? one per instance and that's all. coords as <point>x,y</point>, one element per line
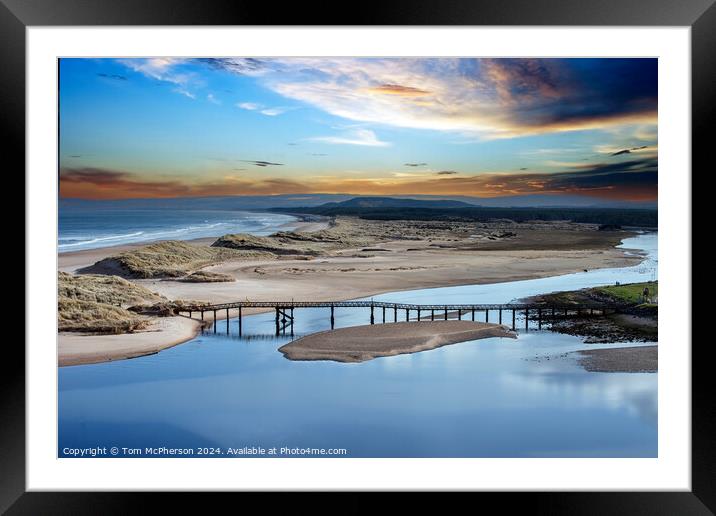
<point>700,15</point>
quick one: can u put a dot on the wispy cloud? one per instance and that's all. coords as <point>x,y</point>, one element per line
<point>364,137</point>
<point>249,106</point>
<point>493,98</point>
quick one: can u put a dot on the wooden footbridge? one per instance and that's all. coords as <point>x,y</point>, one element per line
<point>284,311</point>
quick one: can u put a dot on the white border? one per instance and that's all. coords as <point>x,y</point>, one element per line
<point>670,471</point>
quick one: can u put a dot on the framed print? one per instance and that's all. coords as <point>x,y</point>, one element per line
<point>413,250</point>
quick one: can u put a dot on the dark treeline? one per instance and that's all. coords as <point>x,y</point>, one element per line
<point>604,216</point>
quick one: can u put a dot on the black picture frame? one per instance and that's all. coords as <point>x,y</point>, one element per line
<point>700,15</point>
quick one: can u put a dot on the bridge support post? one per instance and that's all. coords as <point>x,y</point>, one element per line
<point>473,314</point>
<point>407,315</point>
<point>539,318</point>
<point>372,317</point>
<point>527,319</point>
<point>432,315</point>
<point>202,315</point>
<point>446,313</point>
<point>291,321</point>
<point>500,316</point>
<point>227,321</point>
<point>189,314</point>
<point>214,321</point>
<point>277,326</point>
<point>419,314</point>
<point>239,321</point>
<point>513,319</point>
<point>383,315</point>
<point>395,314</point>
<point>333,320</point>
<point>487,315</point>
<point>459,314</point>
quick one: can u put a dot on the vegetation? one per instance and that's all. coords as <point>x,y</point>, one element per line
<point>92,317</point>
<point>97,304</point>
<point>603,216</point>
<point>207,277</point>
<point>631,293</point>
<point>170,259</point>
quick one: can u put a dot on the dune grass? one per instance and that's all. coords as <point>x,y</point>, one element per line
<point>207,277</point>
<point>170,259</point>
<point>98,304</point>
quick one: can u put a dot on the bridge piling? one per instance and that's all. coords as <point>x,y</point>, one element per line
<point>527,319</point>
<point>432,315</point>
<point>407,315</point>
<point>473,314</point>
<point>227,320</point>
<point>539,318</point>
<point>446,313</point>
<point>333,320</point>
<point>372,318</point>
<point>513,319</point>
<point>487,315</point>
<point>239,321</point>
<point>383,315</point>
<point>500,316</point>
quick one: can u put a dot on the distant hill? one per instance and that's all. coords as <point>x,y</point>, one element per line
<point>403,209</point>
<point>394,202</point>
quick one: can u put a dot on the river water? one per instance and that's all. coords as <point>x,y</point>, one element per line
<point>498,397</point>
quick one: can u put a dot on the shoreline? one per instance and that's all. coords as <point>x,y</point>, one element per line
<point>83,257</point>
<point>344,275</point>
<point>163,333</point>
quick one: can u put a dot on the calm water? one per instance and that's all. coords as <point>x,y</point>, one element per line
<point>488,398</point>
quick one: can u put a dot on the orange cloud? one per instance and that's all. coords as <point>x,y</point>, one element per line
<point>633,180</point>
<point>397,89</point>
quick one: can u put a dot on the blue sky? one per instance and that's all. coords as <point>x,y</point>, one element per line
<point>165,127</point>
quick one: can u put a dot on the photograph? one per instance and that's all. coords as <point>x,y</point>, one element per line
<point>357,257</point>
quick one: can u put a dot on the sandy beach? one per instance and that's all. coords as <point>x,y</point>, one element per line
<point>426,258</point>
<point>163,333</point>
<point>362,343</point>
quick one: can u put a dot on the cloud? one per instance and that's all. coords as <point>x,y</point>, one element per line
<point>630,180</point>
<point>112,76</point>
<point>446,172</point>
<point>415,164</point>
<point>491,98</point>
<point>166,69</point>
<point>274,111</point>
<point>262,163</point>
<point>211,98</point>
<point>99,183</point>
<point>629,151</point>
<point>249,106</point>
<point>397,89</point>
<point>363,137</point>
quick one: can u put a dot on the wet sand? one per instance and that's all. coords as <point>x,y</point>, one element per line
<point>636,359</point>
<point>163,333</point>
<point>362,343</point>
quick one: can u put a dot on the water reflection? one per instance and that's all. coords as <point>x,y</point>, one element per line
<point>488,398</point>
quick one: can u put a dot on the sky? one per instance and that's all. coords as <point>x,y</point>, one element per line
<point>170,127</point>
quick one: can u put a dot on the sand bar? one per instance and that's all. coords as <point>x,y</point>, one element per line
<point>362,343</point>
<point>635,359</point>
<point>165,332</point>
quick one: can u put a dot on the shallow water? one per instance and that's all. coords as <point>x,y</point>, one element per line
<point>524,397</point>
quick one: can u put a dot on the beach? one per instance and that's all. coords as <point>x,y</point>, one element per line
<point>425,257</point>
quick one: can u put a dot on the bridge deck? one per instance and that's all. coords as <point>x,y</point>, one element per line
<point>399,306</point>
